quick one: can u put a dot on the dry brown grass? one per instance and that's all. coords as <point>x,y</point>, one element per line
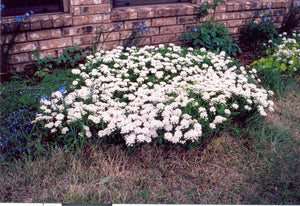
<point>228,170</point>
<point>149,175</point>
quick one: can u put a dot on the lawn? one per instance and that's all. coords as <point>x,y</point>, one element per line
<point>155,125</point>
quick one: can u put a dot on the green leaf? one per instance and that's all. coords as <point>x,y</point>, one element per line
<point>105,180</point>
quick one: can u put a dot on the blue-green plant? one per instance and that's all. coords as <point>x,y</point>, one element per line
<point>259,29</point>
<point>101,36</point>
<point>19,100</point>
<point>213,36</point>
<point>137,33</point>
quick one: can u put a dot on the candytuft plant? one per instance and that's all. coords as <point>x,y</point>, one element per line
<point>159,94</point>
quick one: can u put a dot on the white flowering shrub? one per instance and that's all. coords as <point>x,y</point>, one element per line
<point>282,62</point>
<point>163,94</point>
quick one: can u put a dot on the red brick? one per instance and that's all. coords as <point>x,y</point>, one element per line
<point>171,29</point>
<point>76,10</point>
<point>187,19</point>
<point>143,41</point>
<point>43,34</point>
<point>57,22</point>
<point>111,26</point>
<point>67,20</point>
<point>103,18</point>
<point>80,20</point>
<point>120,15</point>
<point>24,47</point>
<point>54,53</point>
<point>235,23</point>
<point>145,13</point>
<point>131,24</point>
<point>164,21</point>
<point>207,18</point>
<point>170,38</point>
<point>246,14</point>
<point>47,24</point>
<point>248,6</point>
<point>56,43</point>
<point>229,7</point>
<point>236,6</point>
<point>153,31</point>
<point>17,67</point>
<point>79,30</point>
<point>85,2</point>
<point>109,45</point>
<point>165,12</point>
<point>227,16</point>
<point>86,39</point>
<point>35,25</point>
<point>221,8</point>
<point>233,30</point>
<point>95,9</point>
<point>25,26</point>
<point>116,36</point>
<point>19,58</point>
<point>21,37</point>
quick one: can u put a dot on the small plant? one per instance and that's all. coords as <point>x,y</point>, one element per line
<point>212,36</point>
<point>136,34</point>
<point>283,63</point>
<point>259,29</point>
<point>203,11</point>
<point>101,37</point>
<point>70,58</point>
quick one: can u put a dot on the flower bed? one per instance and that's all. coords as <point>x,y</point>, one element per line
<point>168,94</point>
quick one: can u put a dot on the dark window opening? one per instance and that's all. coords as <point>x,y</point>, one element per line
<point>20,7</point>
<point>120,3</point>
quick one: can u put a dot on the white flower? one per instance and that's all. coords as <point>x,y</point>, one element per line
<point>76,71</point>
<point>212,126</point>
<point>227,111</point>
<point>60,116</point>
<point>75,82</point>
<point>64,130</point>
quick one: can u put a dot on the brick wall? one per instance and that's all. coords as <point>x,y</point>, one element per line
<point>51,33</point>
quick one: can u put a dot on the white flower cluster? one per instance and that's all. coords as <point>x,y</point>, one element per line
<point>288,51</point>
<point>153,92</point>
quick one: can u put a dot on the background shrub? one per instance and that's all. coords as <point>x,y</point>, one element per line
<point>212,36</point>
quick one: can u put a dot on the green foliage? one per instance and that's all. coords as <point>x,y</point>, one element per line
<point>203,11</point>
<point>259,28</point>
<point>212,36</point>
<point>70,58</point>
<point>278,69</point>
<point>20,100</point>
